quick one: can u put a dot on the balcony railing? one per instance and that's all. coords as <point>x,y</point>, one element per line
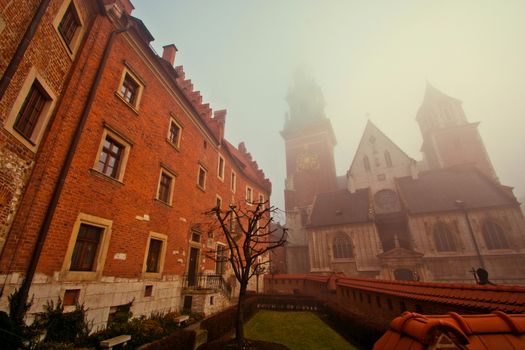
<point>207,282</point>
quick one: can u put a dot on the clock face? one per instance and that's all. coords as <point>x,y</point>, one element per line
<point>307,161</point>
<point>386,199</point>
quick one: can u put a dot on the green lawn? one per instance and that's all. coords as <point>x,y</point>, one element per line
<point>297,330</point>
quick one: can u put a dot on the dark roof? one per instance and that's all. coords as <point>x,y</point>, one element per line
<point>438,190</point>
<point>340,207</point>
<point>341,182</point>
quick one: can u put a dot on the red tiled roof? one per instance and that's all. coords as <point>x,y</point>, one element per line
<point>489,298</point>
<point>475,332</point>
<point>307,277</point>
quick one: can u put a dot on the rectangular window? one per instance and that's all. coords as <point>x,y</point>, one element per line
<point>69,24</point>
<point>86,248</point>
<point>148,291</point>
<point>201,181</point>
<point>261,199</point>
<point>249,195</point>
<point>174,133</point>
<point>220,168</point>
<point>154,251</point>
<point>110,157</point>
<point>233,182</point>
<point>129,89</point>
<point>221,259</point>
<point>165,190</point>
<point>28,116</point>
<point>71,297</point>
<point>196,236</point>
<point>218,202</point>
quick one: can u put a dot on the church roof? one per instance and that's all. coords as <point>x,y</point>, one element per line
<point>340,207</point>
<point>438,190</point>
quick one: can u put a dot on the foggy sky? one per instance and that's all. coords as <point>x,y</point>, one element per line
<point>372,59</point>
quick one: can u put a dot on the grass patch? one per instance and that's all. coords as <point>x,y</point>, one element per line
<point>298,330</point>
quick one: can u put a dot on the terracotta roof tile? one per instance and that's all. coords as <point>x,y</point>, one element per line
<point>476,332</point>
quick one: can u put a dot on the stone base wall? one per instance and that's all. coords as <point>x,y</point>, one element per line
<point>99,296</point>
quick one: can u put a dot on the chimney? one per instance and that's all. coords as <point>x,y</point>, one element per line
<point>168,54</point>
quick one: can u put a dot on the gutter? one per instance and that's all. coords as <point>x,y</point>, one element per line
<point>22,47</point>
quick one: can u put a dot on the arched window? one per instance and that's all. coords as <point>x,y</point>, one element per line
<point>388,159</point>
<point>494,236</point>
<point>342,247</point>
<point>366,163</point>
<point>443,238</point>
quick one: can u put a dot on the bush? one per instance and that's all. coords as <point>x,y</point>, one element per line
<point>60,326</point>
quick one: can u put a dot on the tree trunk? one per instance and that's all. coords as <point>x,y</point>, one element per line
<point>239,322</point>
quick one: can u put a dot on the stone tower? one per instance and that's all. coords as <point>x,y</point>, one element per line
<point>448,137</point>
<point>310,168</point>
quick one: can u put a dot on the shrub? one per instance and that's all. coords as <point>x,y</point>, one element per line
<point>60,326</point>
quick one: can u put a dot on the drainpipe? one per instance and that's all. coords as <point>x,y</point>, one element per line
<point>22,47</point>
<point>461,205</point>
<point>57,191</point>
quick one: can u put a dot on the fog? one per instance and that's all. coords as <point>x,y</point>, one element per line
<point>372,59</point>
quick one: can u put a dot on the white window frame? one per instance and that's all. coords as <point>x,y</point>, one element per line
<point>38,132</point>
<point>176,144</point>
<point>201,168</point>
<point>221,167</point>
<point>249,199</point>
<point>124,159</point>
<point>218,200</point>
<point>73,46</point>
<point>233,182</point>
<point>164,239</point>
<point>128,72</point>
<point>164,171</point>
<point>102,249</point>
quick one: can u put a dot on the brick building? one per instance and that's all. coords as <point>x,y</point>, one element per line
<point>111,158</point>
<point>391,216</point>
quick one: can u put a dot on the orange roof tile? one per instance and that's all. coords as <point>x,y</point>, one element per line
<point>475,332</point>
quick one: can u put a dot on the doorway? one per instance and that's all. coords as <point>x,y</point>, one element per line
<point>192,266</point>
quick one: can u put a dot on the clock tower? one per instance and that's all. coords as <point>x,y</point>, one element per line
<point>310,167</point>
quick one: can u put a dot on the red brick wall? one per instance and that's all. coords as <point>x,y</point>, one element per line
<point>85,191</point>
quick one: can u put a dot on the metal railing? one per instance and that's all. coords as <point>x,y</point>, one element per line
<point>207,282</point>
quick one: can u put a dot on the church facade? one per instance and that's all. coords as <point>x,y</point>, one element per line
<point>392,217</point>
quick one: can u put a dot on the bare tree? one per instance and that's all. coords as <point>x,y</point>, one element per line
<point>247,232</point>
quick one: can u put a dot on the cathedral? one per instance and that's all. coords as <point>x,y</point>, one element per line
<point>442,218</point>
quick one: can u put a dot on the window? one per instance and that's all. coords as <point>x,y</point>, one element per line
<point>249,195</point>
<point>201,180</point>
<point>220,168</point>
<point>218,202</point>
<point>388,159</point>
<point>342,247</point>
<point>174,133</point>
<point>86,247</point>
<point>233,182</point>
<point>130,88</point>
<point>32,108</point>
<point>221,259</point>
<point>494,236</point>
<point>366,163</point>
<point>155,253</point>
<point>165,190</point>
<point>261,198</point>
<point>443,238</point>
<point>195,236</point>
<point>69,24</point>
<point>152,263</point>
<point>148,291</point>
<point>112,156</point>
<point>71,297</point>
